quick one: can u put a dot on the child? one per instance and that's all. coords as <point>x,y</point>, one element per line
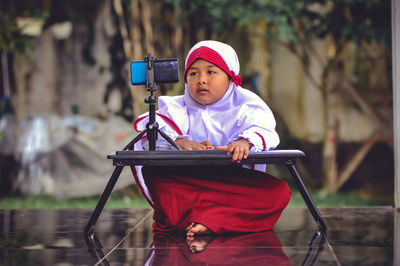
<point>215,112</point>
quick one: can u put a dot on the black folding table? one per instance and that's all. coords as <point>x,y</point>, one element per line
<point>214,157</point>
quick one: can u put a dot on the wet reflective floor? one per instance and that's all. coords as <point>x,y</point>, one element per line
<point>356,236</point>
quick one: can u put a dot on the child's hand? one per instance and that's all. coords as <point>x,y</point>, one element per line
<point>239,149</point>
<point>186,144</point>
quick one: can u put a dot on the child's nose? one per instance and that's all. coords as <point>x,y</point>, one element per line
<point>202,79</point>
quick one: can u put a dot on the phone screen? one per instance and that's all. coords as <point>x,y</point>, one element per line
<point>138,72</point>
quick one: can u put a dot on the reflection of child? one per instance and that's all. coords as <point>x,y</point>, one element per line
<point>214,113</point>
<point>263,248</point>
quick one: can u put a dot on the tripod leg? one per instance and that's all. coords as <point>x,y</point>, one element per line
<point>167,138</point>
<point>103,199</point>
<point>306,196</point>
<point>136,139</point>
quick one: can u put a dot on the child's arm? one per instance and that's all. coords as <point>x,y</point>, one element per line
<point>262,139</point>
<point>253,139</point>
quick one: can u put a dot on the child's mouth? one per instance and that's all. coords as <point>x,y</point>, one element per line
<point>202,91</point>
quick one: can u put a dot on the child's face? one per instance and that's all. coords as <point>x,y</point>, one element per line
<point>207,83</point>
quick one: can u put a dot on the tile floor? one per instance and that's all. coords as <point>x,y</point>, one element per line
<point>356,236</point>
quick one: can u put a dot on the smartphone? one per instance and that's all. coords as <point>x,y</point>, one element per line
<point>165,71</point>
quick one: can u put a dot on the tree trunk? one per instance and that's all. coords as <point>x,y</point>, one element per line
<point>147,26</point>
<point>138,92</point>
<point>357,158</point>
<point>330,82</point>
<point>329,164</point>
<point>122,28</point>
<point>134,25</point>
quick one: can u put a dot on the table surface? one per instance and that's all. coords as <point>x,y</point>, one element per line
<point>213,157</point>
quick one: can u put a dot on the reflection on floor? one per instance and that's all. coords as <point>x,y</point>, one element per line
<point>356,236</point>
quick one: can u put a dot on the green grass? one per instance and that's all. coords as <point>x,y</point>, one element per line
<point>337,199</point>
<point>41,202</point>
<point>119,200</point>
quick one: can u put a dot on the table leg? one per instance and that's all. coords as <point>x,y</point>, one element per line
<point>307,198</point>
<point>103,199</point>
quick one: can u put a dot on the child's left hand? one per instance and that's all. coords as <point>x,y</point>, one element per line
<point>239,149</point>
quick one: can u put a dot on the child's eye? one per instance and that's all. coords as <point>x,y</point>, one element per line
<point>192,73</point>
<point>211,72</point>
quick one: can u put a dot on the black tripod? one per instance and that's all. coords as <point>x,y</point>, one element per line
<point>151,131</point>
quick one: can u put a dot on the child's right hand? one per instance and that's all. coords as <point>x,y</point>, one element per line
<point>239,149</point>
<point>186,144</point>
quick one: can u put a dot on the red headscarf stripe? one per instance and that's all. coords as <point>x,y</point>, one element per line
<point>211,56</point>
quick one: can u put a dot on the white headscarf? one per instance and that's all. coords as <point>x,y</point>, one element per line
<point>218,53</point>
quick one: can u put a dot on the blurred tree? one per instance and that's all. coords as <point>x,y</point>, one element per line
<point>294,24</point>
<point>169,27</point>
<point>14,39</point>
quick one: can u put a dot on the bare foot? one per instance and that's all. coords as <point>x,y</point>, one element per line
<point>199,243</point>
<point>197,229</point>
<point>196,246</point>
<point>190,226</point>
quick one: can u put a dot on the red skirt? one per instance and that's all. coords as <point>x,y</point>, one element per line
<point>222,198</point>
